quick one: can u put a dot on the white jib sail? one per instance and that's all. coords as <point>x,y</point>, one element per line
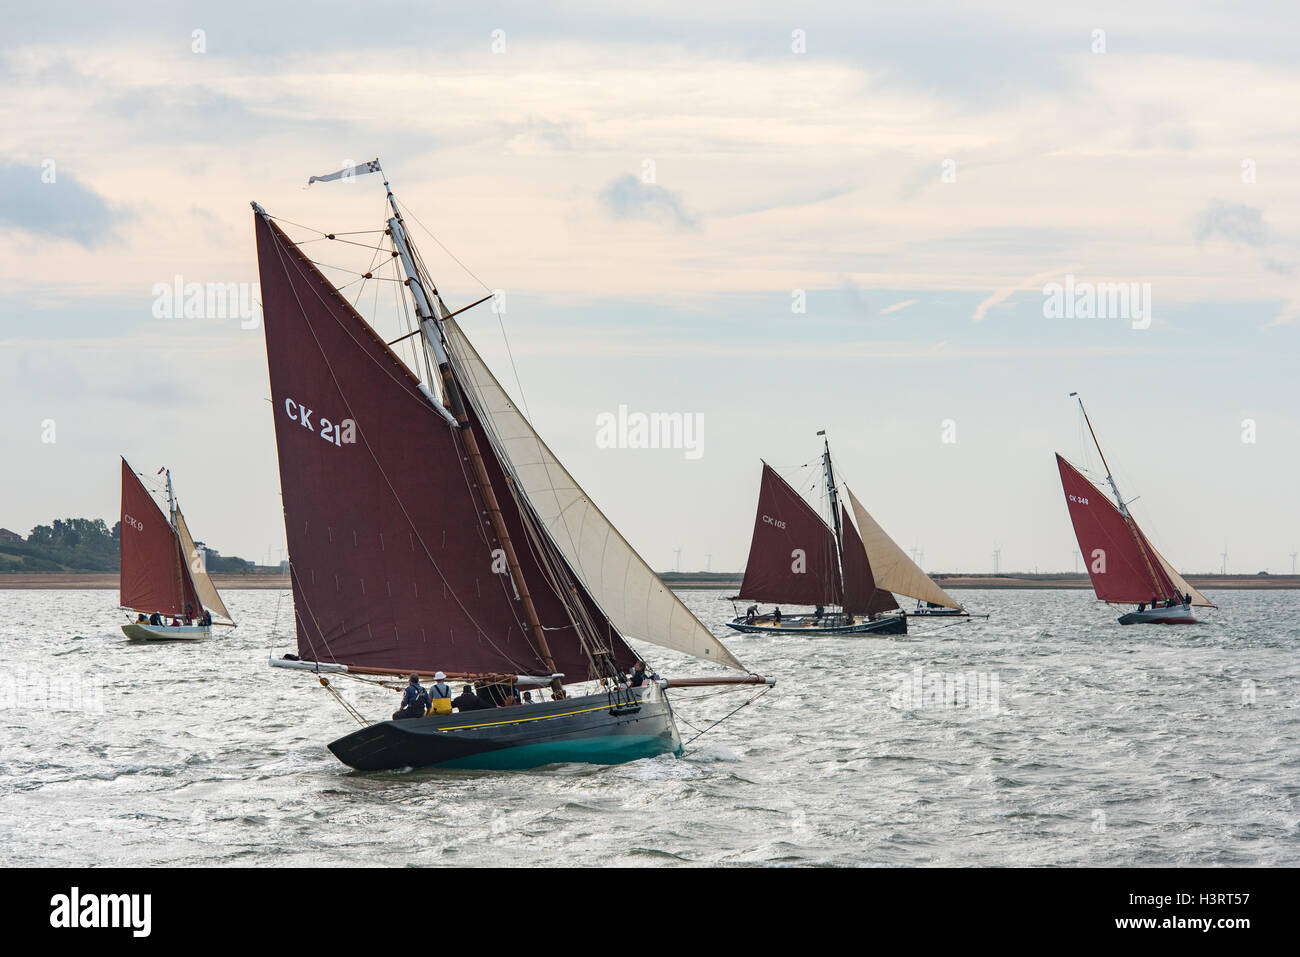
<point>627,590</point>
<point>1180,582</point>
<point>891,567</point>
<point>203,586</point>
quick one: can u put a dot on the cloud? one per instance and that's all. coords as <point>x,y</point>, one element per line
<point>63,208</point>
<point>1235,222</point>
<point>899,306</point>
<point>1002,295</point>
<point>629,198</point>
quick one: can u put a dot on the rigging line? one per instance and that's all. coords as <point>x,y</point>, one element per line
<point>489,422</point>
<point>397,498</point>
<point>545,458</point>
<point>444,248</point>
<point>313,229</point>
<point>353,272</point>
<point>550,562</point>
<point>297,617</point>
<point>542,558</point>
<point>461,356</point>
<point>325,683</point>
<point>369,269</point>
<point>500,321</point>
<point>744,704</point>
<point>348,242</point>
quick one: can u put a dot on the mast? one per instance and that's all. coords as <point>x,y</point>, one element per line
<point>171,501</point>
<point>431,335</point>
<point>1119,503</point>
<point>835,500</point>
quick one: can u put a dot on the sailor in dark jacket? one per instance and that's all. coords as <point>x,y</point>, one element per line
<point>467,700</point>
<point>415,701</point>
<point>638,675</point>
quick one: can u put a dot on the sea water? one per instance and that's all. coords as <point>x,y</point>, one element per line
<point>1044,735</point>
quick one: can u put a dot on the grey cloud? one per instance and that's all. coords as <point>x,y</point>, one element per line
<point>629,198</point>
<point>64,208</point>
<point>1235,222</point>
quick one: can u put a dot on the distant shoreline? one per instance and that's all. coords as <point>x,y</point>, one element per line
<point>683,581</point>
<point>691,580</point>
<point>105,581</point>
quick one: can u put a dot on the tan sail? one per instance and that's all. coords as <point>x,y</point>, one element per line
<point>627,590</point>
<point>1180,582</point>
<point>203,586</point>
<point>892,569</point>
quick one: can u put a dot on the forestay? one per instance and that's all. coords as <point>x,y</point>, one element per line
<point>633,597</point>
<point>892,569</point>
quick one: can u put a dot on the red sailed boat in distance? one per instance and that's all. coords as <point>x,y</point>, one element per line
<point>848,574</point>
<point>163,578</point>
<point>1124,566</point>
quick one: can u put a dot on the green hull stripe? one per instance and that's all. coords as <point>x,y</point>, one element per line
<point>610,749</point>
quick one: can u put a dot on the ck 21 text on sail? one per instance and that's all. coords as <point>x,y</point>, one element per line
<point>343,433</point>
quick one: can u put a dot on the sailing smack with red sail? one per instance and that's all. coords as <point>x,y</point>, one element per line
<point>431,531</point>
<point>847,574</point>
<point>1124,566</point>
<point>162,574</point>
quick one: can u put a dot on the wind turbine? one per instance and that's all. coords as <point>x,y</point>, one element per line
<point>678,552</point>
<point>708,562</point>
<point>1293,555</point>
<point>997,554</point>
<point>1225,558</point>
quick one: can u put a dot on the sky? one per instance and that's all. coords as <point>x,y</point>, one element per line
<point>774,218</point>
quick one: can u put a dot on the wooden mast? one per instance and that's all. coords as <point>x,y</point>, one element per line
<point>431,334</point>
<point>180,552</point>
<point>835,510</point>
<point>1123,509</point>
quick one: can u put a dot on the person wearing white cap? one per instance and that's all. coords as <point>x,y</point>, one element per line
<point>440,688</point>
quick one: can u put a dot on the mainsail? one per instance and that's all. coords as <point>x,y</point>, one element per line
<point>198,572</point>
<point>792,555</point>
<point>154,577</point>
<point>1122,564</point>
<point>393,566</point>
<point>861,594</point>
<point>892,569</point>
<point>617,578</point>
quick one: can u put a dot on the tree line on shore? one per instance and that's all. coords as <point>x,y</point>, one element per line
<point>83,545</point>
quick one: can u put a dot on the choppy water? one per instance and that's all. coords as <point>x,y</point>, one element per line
<point>1078,742</point>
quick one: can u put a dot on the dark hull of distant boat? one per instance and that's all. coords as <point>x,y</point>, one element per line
<point>584,730</point>
<point>809,627</point>
<point>1178,615</point>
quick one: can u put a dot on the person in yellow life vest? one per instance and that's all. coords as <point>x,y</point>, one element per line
<point>440,695</point>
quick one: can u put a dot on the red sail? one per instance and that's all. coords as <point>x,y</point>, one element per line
<point>392,560</point>
<point>1121,563</point>
<point>152,577</point>
<point>792,556</point>
<point>861,596</point>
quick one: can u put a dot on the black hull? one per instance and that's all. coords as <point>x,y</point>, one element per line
<point>888,625</point>
<point>527,736</point>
